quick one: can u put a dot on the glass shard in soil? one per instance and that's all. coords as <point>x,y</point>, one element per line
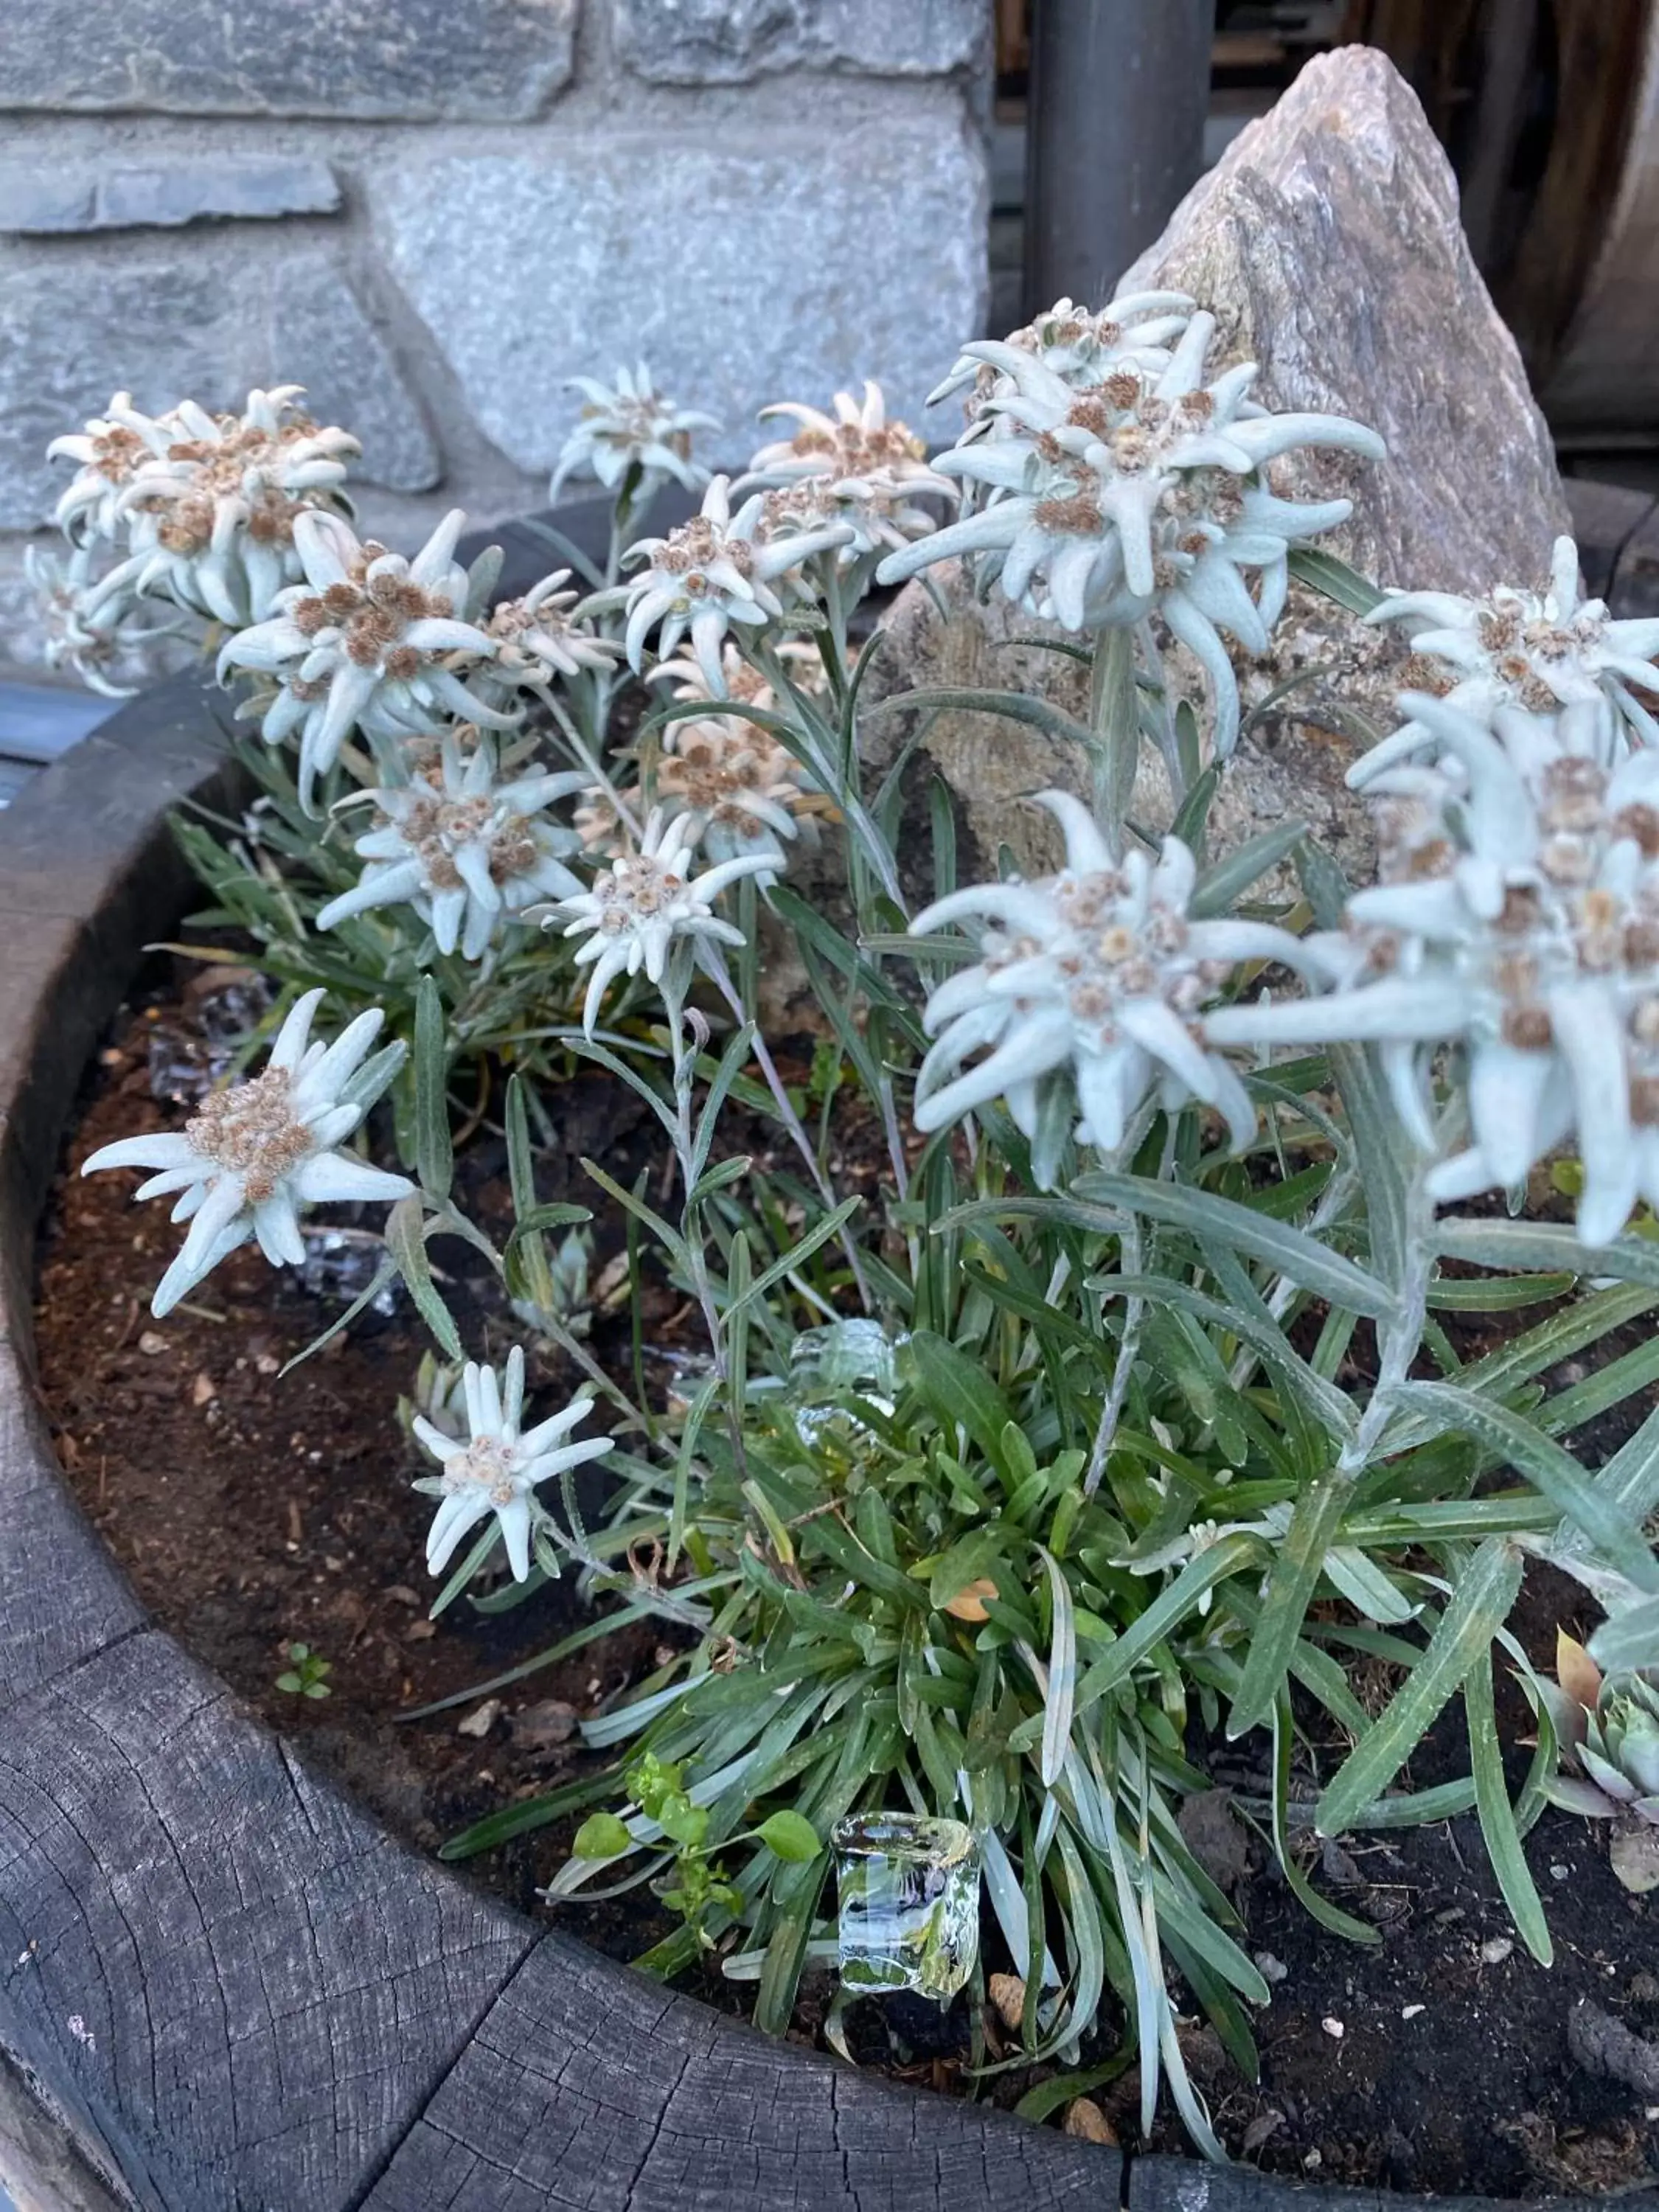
<point>909,1903</point>
<point>342,1263</point>
<point>827,1366</point>
<point>184,1067</point>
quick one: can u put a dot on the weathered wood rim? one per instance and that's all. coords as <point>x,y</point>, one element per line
<point>231,1986</point>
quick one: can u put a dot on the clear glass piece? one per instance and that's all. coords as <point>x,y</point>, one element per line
<point>827,1366</point>
<point>909,1903</point>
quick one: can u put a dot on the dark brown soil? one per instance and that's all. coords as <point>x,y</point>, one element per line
<point>252,1513</point>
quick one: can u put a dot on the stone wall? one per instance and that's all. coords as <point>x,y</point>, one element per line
<point>432,212</point>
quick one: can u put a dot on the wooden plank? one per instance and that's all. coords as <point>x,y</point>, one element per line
<point>249,1987</point>
<point>41,2163</point>
<point>40,722</point>
<point>89,834</point>
<point>62,1597</point>
<point>588,2085</point>
<point>1635,587</point>
<point>1606,517</point>
<point>1179,2184</point>
<point>1580,293</point>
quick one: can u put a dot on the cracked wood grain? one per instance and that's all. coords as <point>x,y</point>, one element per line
<point>248,1984</point>
<point>587,2085</point>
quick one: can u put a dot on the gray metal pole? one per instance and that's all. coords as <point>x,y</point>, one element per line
<point>1119,92</point>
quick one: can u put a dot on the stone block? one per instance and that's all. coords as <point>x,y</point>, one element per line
<point>34,198</point>
<point>162,195</point>
<point>322,334</point>
<point>467,60</point>
<point>72,331</point>
<point>731,41</point>
<point>770,269</point>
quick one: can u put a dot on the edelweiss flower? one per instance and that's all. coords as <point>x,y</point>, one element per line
<point>366,642</point>
<point>855,467</point>
<point>208,503</point>
<point>1097,969</point>
<point>732,790</point>
<point>1136,331</point>
<point>110,450</point>
<point>77,638</point>
<point>632,917</point>
<point>727,780</point>
<point>253,1155</point>
<point>467,852</point>
<point>536,637</point>
<point>1519,914</point>
<point>1523,653</point>
<point>496,1469</point>
<point>1114,500</point>
<point>713,571</point>
<point>597,822</point>
<point>629,425</point>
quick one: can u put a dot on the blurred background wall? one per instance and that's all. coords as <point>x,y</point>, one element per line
<point>432,212</point>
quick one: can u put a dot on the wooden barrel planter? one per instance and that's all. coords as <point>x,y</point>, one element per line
<point>235,1991</point>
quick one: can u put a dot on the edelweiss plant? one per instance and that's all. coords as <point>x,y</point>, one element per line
<point>651,913</point>
<point>1514,656</point>
<point>1080,1367</point>
<point>715,571</point>
<point>629,430</point>
<point>1098,971</point>
<point>1143,491</point>
<point>1519,914</point>
<point>253,1156</point>
<point>496,1467</point>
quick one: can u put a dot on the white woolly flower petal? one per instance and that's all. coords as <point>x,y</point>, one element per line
<point>158,1150</point>
<point>1506,1092</point>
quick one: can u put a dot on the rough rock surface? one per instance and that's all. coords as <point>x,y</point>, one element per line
<point>472,60</point>
<point>1326,242</point>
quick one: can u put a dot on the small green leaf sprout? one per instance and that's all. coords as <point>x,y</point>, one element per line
<point>306,1672</point>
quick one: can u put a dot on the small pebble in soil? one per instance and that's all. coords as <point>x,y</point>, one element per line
<point>152,1343</point>
<point>479,1722</point>
<point>1411,2011</point>
<point>1559,1872</point>
<point>1340,1866</point>
<point>1007,1995</point>
<point>1313,2161</point>
<point>1085,2119</point>
<point>1269,1968</point>
<point>1333,2028</point>
<point>203,1390</point>
<point>1495,1950</point>
<point>544,1726</point>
